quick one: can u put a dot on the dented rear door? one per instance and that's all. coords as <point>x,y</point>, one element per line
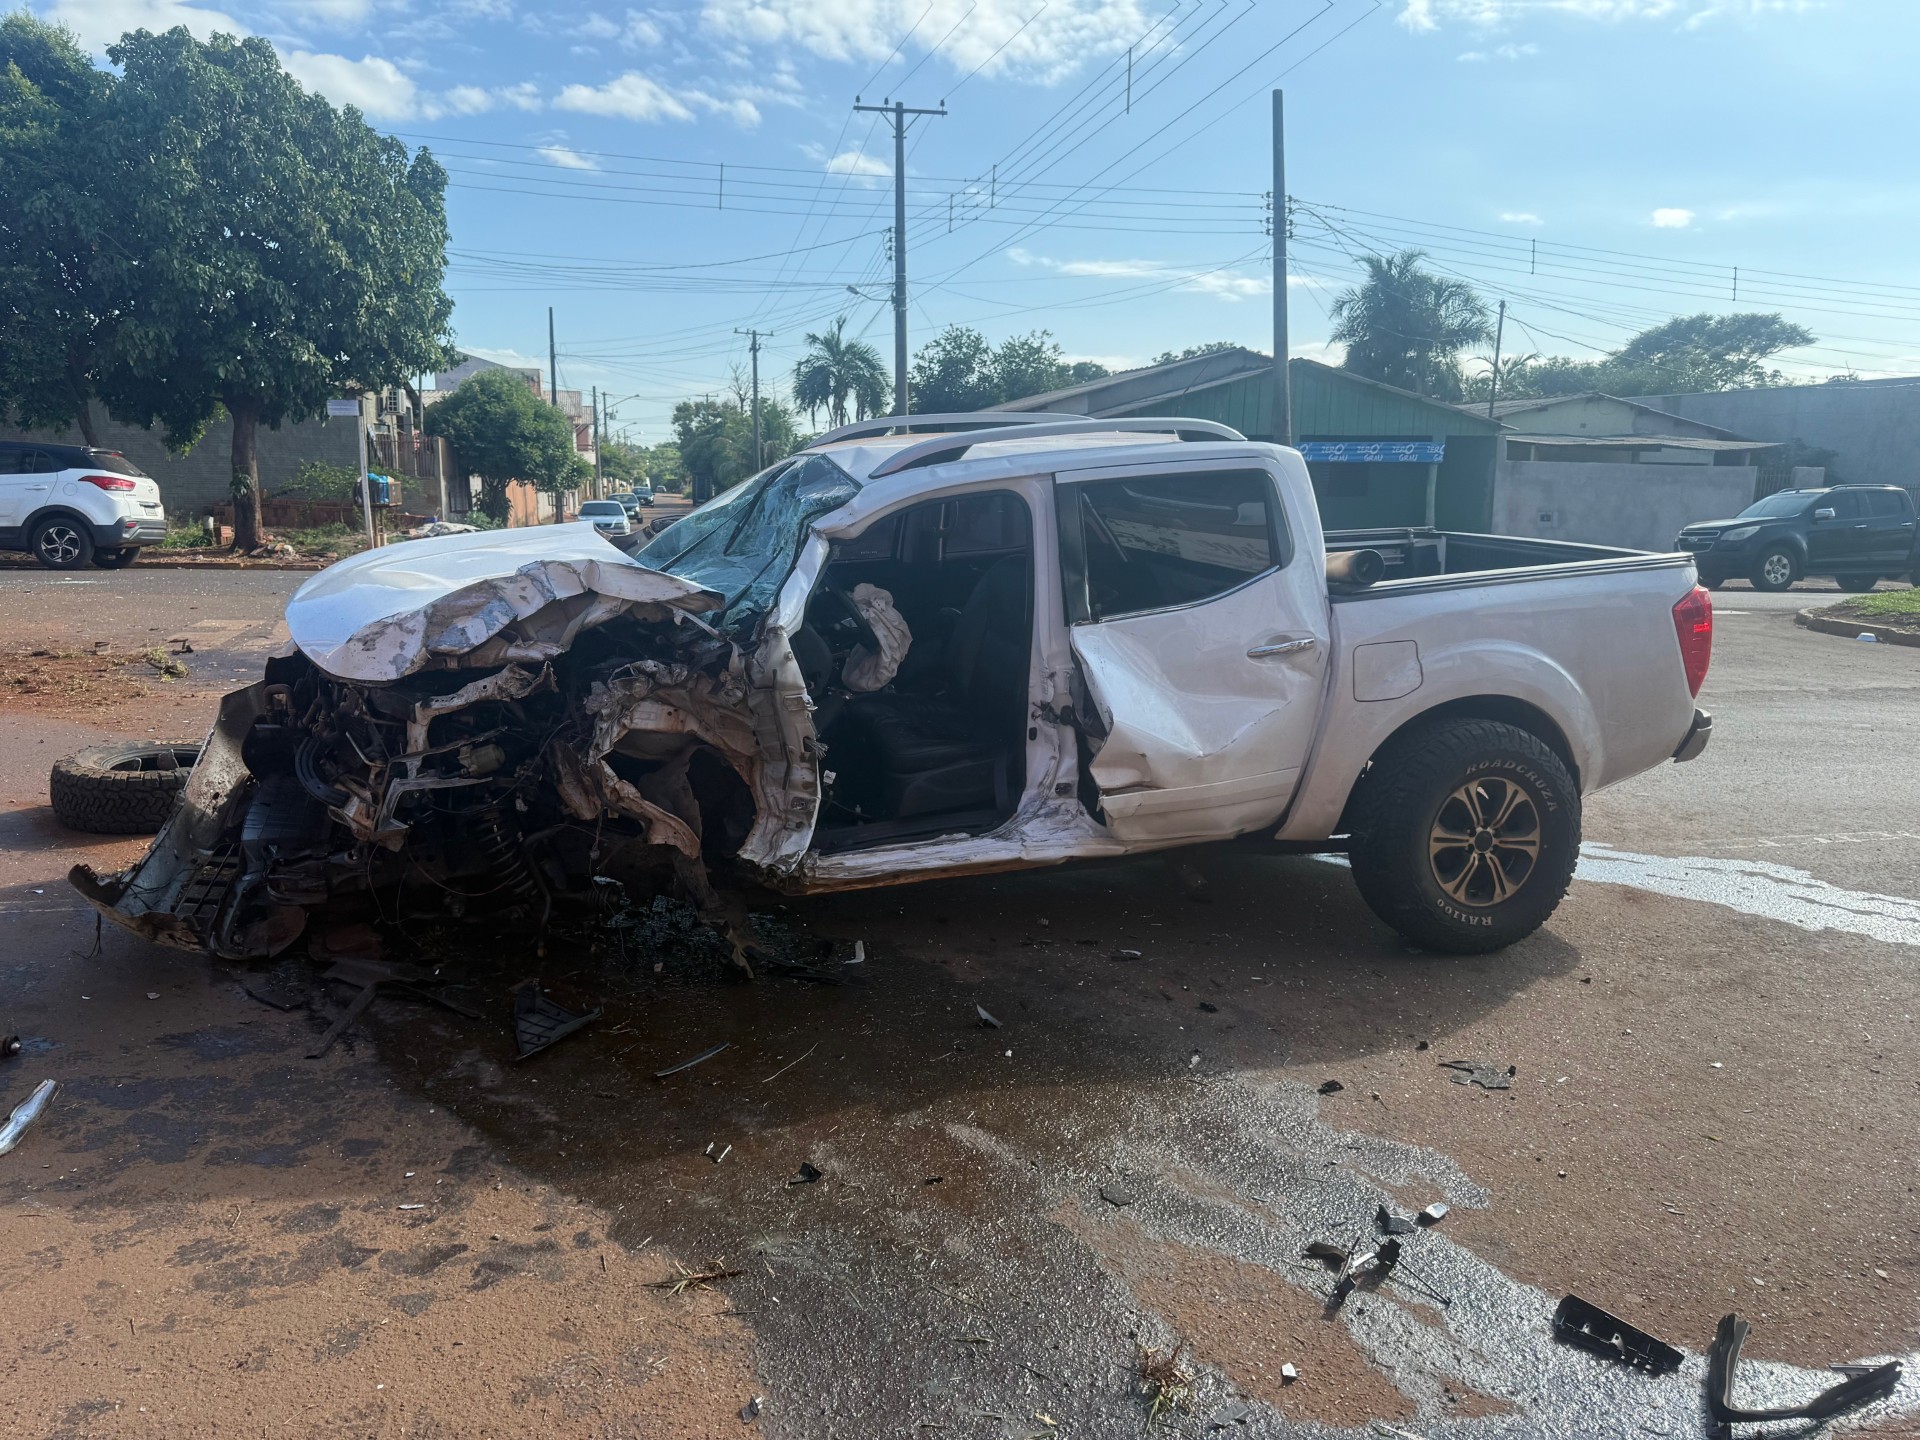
<point>1197,613</point>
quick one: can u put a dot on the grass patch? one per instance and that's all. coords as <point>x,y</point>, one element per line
<point>326,540</point>
<point>1166,1382</point>
<point>1892,603</point>
<point>186,537</point>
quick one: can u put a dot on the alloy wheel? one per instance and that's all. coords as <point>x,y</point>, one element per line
<point>1778,569</point>
<point>60,544</point>
<point>1484,842</point>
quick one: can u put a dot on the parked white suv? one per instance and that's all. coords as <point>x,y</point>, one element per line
<point>72,504</point>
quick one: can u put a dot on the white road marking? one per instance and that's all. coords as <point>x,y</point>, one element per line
<point>1759,888</point>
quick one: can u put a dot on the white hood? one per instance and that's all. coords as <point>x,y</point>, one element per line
<point>473,600</point>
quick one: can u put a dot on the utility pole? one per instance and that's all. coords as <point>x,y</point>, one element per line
<point>598,487</point>
<point>899,113</point>
<point>1282,394</point>
<point>753,347</point>
<point>1493,386</point>
<point>553,365</point>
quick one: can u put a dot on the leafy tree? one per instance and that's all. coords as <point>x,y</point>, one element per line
<point>622,463</point>
<point>1406,326</point>
<point>1026,365</point>
<point>1081,371</point>
<point>665,468</point>
<point>1685,355</point>
<point>716,441</point>
<point>834,371</point>
<point>286,249</point>
<point>954,372</point>
<point>1192,352</point>
<point>502,432</point>
<point>63,260</point>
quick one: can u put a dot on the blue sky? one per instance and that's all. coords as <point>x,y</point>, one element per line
<point>664,176</point>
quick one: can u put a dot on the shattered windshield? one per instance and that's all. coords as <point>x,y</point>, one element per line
<point>744,541</point>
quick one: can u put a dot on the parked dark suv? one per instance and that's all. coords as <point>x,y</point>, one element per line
<point>1855,534</point>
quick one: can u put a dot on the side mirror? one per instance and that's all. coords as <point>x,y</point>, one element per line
<point>1825,512</point>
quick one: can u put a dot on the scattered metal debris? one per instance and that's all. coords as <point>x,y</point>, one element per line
<point>790,1064</point>
<point>410,1207</point>
<point>1331,1087</point>
<point>1392,1224</point>
<point>1374,1266</point>
<point>1123,954</point>
<point>9,1046</point>
<point>987,1022</point>
<point>721,1156</point>
<point>1116,1195</point>
<point>1433,1214</point>
<point>1582,1323</point>
<point>859,954</point>
<point>1484,1073</point>
<point>538,1022</point>
<point>1324,1250</point>
<point>1861,1387</point>
<point>25,1113</point>
<point>1288,1374</point>
<point>806,1175</point>
<point>699,1059</point>
<point>750,1411</point>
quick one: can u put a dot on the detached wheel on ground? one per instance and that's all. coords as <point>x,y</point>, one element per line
<point>1774,571</point>
<point>120,789</point>
<point>116,559</point>
<point>62,543</point>
<point>1856,584</point>
<point>1465,835</point>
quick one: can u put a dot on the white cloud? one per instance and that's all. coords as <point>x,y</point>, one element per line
<point>327,12</point>
<point>1062,35</point>
<point>598,27</point>
<point>1520,217</point>
<point>1502,52</point>
<point>567,159</point>
<point>1222,284</point>
<point>1490,14</point>
<point>378,87</point>
<point>98,23</point>
<point>468,100</point>
<point>631,96</point>
<point>1671,219</point>
<point>524,96</point>
<point>853,162</point>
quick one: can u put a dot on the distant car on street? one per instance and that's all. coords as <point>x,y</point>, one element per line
<point>71,505</point>
<point>1856,534</point>
<point>627,501</point>
<point>609,517</point>
<point>643,492</point>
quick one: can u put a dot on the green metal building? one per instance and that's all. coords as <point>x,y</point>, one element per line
<point>1379,456</point>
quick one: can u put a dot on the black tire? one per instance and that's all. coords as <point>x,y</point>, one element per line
<point>1856,584</point>
<point>61,542</point>
<point>120,789</point>
<point>116,559</point>
<point>1711,584</point>
<point>1768,572</point>
<point>1414,793</point>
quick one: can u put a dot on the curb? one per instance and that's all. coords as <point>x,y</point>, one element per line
<point>1852,629</point>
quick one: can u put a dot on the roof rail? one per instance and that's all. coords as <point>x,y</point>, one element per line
<point>957,420</point>
<point>939,449</point>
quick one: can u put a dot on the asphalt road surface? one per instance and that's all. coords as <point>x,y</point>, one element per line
<point>1712,1109</point>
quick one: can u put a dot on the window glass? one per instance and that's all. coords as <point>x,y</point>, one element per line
<point>114,463</point>
<point>1845,504</point>
<point>1885,502</point>
<point>603,507</point>
<point>985,525</point>
<point>874,543</point>
<point>1155,541</point>
<point>744,541</point>
<point>1781,504</point>
<point>39,462</point>
<point>10,458</point>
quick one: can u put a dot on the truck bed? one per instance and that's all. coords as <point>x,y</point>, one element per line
<point>1419,558</point>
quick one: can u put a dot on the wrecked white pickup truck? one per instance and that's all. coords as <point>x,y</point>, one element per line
<point>1010,642</point>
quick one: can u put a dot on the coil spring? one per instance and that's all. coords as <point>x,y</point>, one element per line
<point>498,840</point>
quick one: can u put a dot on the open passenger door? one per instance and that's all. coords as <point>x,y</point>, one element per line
<point>1201,637</point>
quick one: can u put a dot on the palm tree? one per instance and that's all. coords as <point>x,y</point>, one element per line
<point>1406,326</point>
<point>836,369</point>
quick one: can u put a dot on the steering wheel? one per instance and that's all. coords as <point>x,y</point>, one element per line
<point>851,617</point>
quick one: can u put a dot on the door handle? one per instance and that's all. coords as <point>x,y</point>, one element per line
<point>1282,647</point>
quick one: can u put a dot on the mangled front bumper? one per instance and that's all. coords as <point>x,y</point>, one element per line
<point>447,733</point>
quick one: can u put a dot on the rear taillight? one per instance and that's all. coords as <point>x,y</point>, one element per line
<point>1693,623</point>
<point>108,482</point>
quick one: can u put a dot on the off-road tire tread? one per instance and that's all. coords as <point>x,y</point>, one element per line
<point>90,796</point>
<point>1396,788</point>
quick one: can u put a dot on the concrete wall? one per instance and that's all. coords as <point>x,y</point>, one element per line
<point>1641,507</point>
<point>1872,426</point>
<point>203,477</point>
<point>1598,415</point>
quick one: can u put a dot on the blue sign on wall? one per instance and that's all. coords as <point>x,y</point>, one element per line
<point>1388,452</point>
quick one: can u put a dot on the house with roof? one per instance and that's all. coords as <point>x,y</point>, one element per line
<point>1606,471</point>
<point>1379,456</point>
